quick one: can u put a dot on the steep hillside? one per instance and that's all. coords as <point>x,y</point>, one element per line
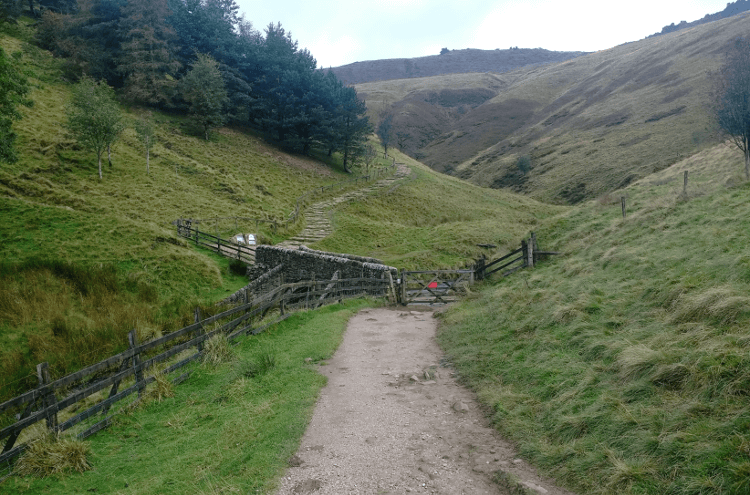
<point>622,366</point>
<point>450,62</point>
<point>587,125</point>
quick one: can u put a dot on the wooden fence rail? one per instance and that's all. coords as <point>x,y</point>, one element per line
<point>250,317</point>
<point>128,368</point>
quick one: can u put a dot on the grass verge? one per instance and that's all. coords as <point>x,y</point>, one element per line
<point>623,366</point>
<point>230,428</point>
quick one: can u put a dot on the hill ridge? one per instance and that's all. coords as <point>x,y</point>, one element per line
<point>452,62</point>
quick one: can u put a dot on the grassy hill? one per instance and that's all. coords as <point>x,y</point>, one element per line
<point>451,62</point>
<point>622,366</point>
<point>588,125</point>
<point>85,260</point>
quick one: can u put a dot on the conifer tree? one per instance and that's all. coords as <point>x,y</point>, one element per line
<point>203,88</point>
<point>147,62</point>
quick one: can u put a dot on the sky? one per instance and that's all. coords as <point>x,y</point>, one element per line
<point>340,32</point>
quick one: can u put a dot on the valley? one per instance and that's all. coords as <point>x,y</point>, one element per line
<point>620,366</point>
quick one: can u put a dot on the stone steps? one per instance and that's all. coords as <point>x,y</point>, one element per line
<point>319,226</point>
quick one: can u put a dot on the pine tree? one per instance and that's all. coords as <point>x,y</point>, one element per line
<point>203,88</point>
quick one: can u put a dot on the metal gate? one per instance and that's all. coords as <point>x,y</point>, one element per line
<point>434,286</point>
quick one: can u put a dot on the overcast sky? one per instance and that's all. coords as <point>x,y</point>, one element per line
<point>339,32</point>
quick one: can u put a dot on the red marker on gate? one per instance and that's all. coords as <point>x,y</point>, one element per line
<point>432,285</point>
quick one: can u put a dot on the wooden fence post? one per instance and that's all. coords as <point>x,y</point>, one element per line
<point>534,249</point>
<point>684,185</point>
<point>133,343</point>
<point>196,234</point>
<point>201,331</point>
<point>49,400</point>
<point>622,202</point>
<point>403,286</point>
<point>479,268</point>
<point>530,252</point>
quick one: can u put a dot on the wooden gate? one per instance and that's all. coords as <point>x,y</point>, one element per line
<point>434,286</point>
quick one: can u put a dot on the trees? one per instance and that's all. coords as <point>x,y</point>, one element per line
<point>353,126</point>
<point>147,61</point>
<point>94,117</point>
<point>732,98</point>
<point>13,89</point>
<point>203,88</point>
<point>385,129</point>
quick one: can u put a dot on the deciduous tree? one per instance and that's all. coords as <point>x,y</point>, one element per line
<point>94,117</point>
<point>732,98</point>
<point>385,129</point>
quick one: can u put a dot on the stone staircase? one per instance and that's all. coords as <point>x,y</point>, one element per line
<point>318,215</point>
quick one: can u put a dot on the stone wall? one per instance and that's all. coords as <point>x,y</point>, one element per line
<point>307,264</point>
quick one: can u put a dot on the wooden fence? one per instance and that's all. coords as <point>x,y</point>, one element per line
<point>445,286</point>
<point>224,247</point>
<point>99,384</point>
<point>54,398</point>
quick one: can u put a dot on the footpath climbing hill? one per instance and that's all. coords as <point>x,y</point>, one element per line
<point>318,216</point>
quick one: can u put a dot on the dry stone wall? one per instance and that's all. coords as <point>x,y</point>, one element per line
<point>308,264</point>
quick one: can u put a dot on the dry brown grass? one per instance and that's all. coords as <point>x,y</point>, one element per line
<point>53,455</point>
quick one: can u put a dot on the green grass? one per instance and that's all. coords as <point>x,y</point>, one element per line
<point>54,209</point>
<point>228,429</point>
<point>622,366</point>
<point>434,221</point>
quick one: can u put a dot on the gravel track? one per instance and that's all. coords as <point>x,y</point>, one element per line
<point>392,419</point>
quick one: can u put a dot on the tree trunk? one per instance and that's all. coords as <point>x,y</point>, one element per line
<point>99,157</point>
<point>747,163</point>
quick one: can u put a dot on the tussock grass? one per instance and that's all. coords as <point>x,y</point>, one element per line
<point>54,455</point>
<point>622,366</point>
<point>217,350</point>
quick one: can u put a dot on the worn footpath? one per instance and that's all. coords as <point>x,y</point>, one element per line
<point>392,419</point>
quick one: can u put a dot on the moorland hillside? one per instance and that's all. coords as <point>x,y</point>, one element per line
<point>586,126</point>
<point>448,62</point>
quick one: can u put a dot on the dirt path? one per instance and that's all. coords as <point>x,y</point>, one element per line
<point>318,215</point>
<point>392,420</point>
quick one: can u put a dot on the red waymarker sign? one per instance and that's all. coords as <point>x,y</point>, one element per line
<point>433,285</point>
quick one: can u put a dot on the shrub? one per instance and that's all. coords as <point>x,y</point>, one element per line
<point>524,164</point>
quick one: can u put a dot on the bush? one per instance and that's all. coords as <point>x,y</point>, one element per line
<point>524,164</point>
<point>238,267</point>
